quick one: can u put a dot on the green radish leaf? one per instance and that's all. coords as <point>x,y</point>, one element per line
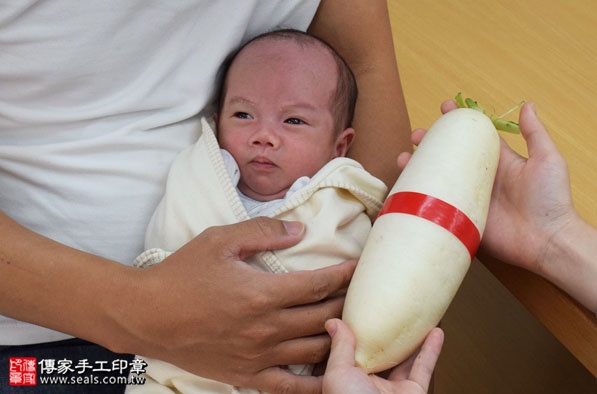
<point>506,125</point>
<point>498,122</point>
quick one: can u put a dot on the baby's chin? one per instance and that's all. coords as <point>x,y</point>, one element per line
<point>263,194</point>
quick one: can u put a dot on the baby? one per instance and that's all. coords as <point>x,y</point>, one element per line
<point>284,126</point>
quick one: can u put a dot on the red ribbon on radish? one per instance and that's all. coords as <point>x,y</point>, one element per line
<point>438,212</point>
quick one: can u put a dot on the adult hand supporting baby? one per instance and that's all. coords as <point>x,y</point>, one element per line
<point>216,316</point>
<point>202,309</point>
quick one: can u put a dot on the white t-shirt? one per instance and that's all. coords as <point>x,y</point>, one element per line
<point>97,99</point>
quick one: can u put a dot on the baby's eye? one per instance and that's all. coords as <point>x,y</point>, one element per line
<point>294,121</point>
<point>242,115</point>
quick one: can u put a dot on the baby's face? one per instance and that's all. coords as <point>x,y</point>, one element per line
<point>276,118</point>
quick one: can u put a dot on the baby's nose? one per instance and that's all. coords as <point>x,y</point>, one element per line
<point>266,136</point>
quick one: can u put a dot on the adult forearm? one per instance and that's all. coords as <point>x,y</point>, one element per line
<point>361,32</point>
<point>570,262</point>
<point>52,285</point>
<point>382,125</point>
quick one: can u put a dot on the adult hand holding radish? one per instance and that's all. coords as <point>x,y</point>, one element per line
<point>532,222</point>
<point>424,239</point>
<point>411,377</point>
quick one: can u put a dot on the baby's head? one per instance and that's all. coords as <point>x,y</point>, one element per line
<point>285,110</point>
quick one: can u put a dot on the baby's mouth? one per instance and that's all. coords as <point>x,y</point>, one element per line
<point>263,162</point>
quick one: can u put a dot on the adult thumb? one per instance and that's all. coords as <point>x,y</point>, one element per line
<point>343,344</point>
<point>538,141</point>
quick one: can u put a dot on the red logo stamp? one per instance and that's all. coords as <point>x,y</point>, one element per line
<point>22,371</point>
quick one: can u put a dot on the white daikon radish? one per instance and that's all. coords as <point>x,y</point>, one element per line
<point>424,239</point>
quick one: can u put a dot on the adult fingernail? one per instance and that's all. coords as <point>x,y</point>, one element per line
<point>294,228</point>
<point>331,327</point>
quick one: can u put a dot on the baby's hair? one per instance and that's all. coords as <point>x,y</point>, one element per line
<point>343,101</point>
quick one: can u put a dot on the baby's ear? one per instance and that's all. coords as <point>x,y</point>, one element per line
<point>344,141</point>
<point>215,117</point>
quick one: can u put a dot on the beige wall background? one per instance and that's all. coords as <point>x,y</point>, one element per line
<point>501,52</point>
